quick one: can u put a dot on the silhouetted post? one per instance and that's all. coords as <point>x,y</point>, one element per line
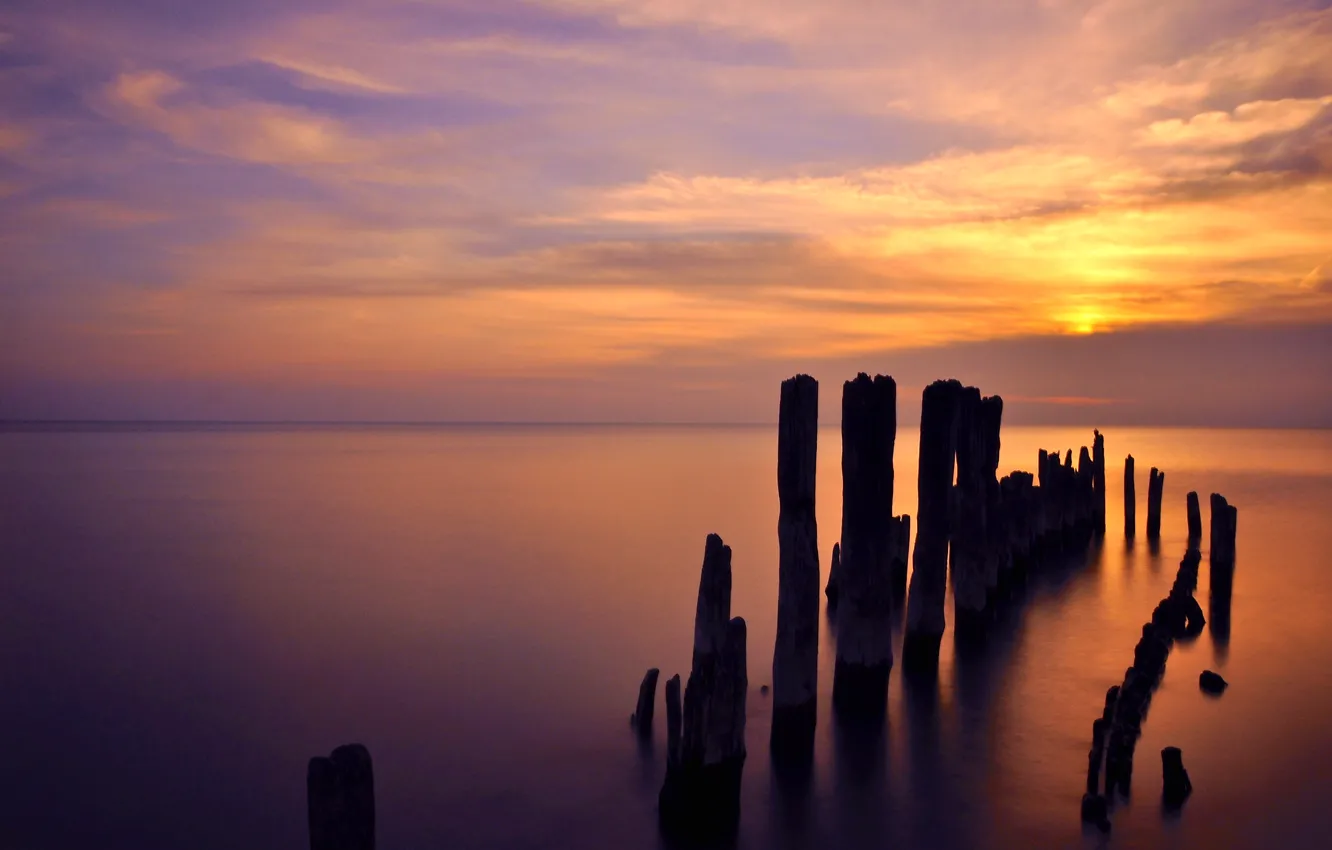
<point>672,723</point>
<point>1098,481</point>
<point>1086,499</point>
<point>340,794</point>
<point>925,605</point>
<point>834,576</point>
<point>1195,518</point>
<point>647,698</point>
<point>1222,567</point>
<point>900,539</point>
<point>995,533</point>
<point>796,656</point>
<point>701,794</point>
<point>968,535</point>
<point>865,593</point>
<point>1225,518</point>
<point>1155,489</point>
<point>1130,501</point>
<point>1176,786</point>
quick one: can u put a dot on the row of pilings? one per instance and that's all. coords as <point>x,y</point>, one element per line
<point>997,530</point>
<point>1178,616</point>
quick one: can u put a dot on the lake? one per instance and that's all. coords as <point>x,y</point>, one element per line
<point>188,613</point>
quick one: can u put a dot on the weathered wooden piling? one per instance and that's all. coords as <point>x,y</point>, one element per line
<point>647,698</point>
<point>865,590</point>
<point>1225,518</point>
<point>1155,489</point>
<point>1177,616</point>
<point>929,576</point>
<point>834,575</point>
<point>1098,481</point>
<point>1176,786</point>
<point>1195,518</point>
<point>995,533</point>
<point>967,537</point>
<point>673,723</point>
<point>1130,501</point>
<point>795,657</point>
<point>340,795</point>
<point>701,794</point>
<point>900,542</point>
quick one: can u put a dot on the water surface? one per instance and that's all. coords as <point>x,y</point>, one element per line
<point>187,615</point>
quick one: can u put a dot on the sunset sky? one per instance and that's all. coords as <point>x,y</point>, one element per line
<point>653,210</point>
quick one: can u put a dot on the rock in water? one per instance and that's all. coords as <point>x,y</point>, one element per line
<point>340,795</point>
<point>864,605</point>
<point>796,654</point>
<point>647,698</point>
<point>925,602</point>
<point>1176,778</point>
<point>1211,682</point>
<point>1130,501</point>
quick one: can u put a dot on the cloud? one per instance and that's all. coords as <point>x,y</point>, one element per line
<point>574,187</point>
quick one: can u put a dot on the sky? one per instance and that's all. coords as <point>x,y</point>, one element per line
<point>654,210</point>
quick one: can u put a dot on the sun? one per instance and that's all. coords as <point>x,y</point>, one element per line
<point>1083,321</point>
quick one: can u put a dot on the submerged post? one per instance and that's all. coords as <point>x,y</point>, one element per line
<point>1130,501</point>
<point>1195,518</point>
<point>1155,488</point>
<point>864,608</point>
<point>340,795</point>
<point>795,657</point>
<point>925,604</point>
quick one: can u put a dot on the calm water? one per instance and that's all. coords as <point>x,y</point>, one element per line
<point>187,616</point>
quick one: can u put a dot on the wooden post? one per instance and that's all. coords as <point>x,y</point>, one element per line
<point>925,603</point>
<point>1130,501</point>
<point>1098,483</point>
<point>340,796</point>
<point>865,594</point>
<point>968,535</point>
<point>647,698</point>
<point>701,794</point>
<point>1155,489</point>
<point>796,654</point>
<point>1195,518</point>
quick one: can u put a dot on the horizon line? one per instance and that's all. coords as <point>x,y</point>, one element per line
<point>9,424</point>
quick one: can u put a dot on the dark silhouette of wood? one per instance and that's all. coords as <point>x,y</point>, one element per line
<point>647,698</point>
<point>340,795</point>
<point>865,594</point>
<point>1130,501</point>
<point>700,797</point>
<point>1175,779</point>
<point>1195,518</point>
<point>1098,482</point>
<point>796,654</point>
<point>925,603</point>
<point>1155,490</point>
